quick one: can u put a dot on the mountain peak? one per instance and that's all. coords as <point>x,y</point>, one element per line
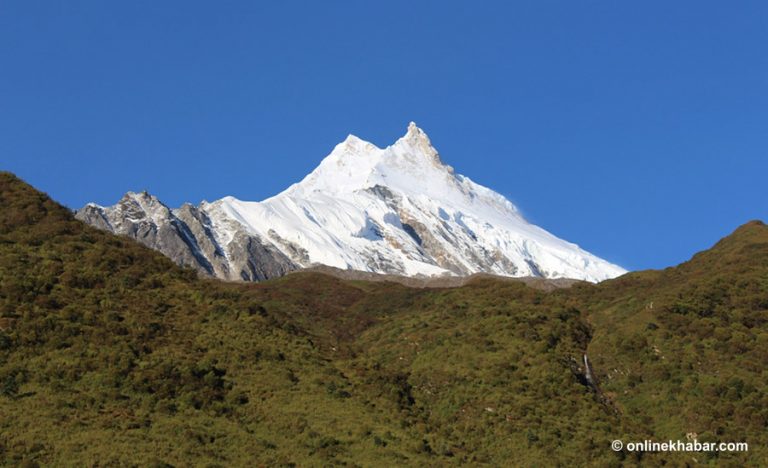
<point>143,199</point>
<point>352,140</point>
<point>354,144</point>
<point>143,195</point>
<point>395,210</point>
<point>751,232</point>
<point>416,135</point>
<point>141,206</point>
<point>416,141</point>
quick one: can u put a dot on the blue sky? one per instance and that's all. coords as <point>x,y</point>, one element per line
<point>638,130</point>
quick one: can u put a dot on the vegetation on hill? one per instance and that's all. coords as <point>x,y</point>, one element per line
<point>112,355</point>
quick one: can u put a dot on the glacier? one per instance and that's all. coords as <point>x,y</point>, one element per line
<point>397,210</point>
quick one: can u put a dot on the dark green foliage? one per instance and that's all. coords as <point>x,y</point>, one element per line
<point>112,355</point>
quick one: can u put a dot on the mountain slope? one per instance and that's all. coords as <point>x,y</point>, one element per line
<point>111,355</point>
<point>187,237</point>
<point>398,210</point>
<point>691,342</point>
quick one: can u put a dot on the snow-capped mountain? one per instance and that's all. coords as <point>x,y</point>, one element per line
<point>395,210</point>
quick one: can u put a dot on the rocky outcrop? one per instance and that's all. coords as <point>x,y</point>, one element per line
<point>255,260</point>
<point>186,235</point>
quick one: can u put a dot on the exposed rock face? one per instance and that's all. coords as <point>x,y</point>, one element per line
<point>254,260</point>
<point>397,210</point>
<point>214,260</point>
<point>187,237</point>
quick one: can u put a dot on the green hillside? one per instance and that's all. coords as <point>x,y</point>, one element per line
<point>112,355</point>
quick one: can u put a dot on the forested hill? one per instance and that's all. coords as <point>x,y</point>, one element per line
<point>111,354</point>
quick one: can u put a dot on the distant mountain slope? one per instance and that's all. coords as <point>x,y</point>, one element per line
<point>112,355</point>
<point>188,237</point>
<point>398,210</point>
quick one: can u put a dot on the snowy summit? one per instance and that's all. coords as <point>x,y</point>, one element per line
<point>395,210</point>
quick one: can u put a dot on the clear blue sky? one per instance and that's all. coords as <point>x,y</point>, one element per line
<point>638,130</point>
